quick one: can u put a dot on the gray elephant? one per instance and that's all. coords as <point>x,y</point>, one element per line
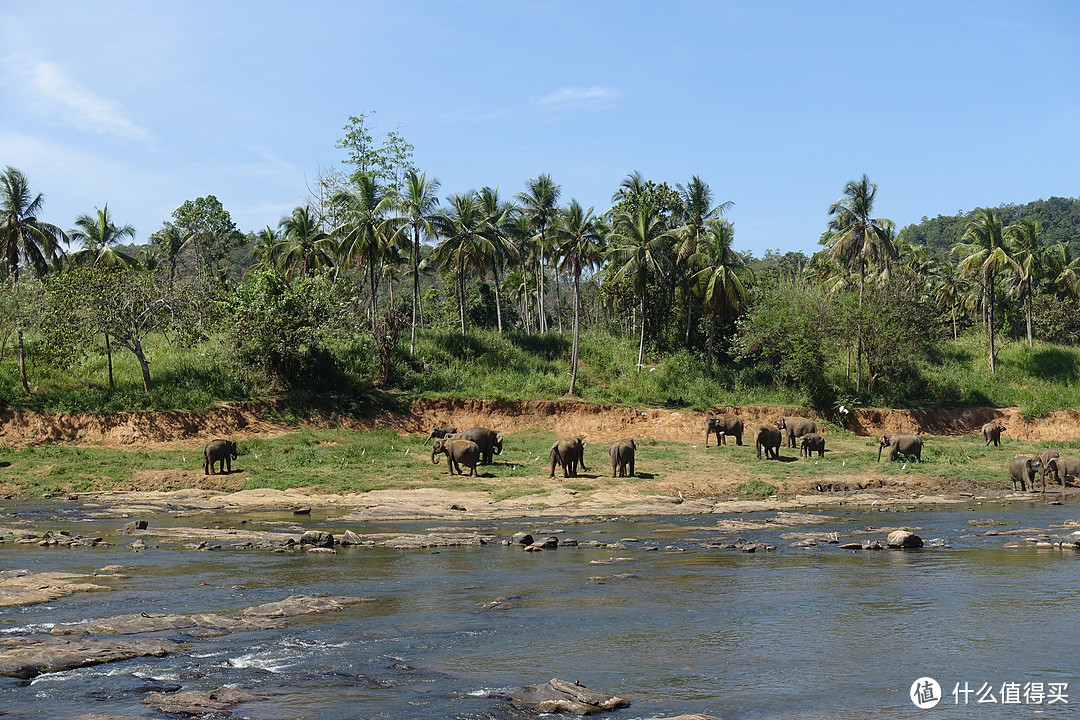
<point>1063,468</point>
<point>767,438</point>
<point>568,452</point>
<point>900,444</point>
<point>723,426</point>
<point>1023,470</point>
<point>1049,466</point>
<point>794,427</point>
<point>992,433</point>
<point>218,451</point>
<point>811,443</point>
<point>441,432</point>
<point>489,441</point>
<point>622,457</point>
<point>458,452</point>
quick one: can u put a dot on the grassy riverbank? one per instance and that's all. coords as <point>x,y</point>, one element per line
<point>342,461</point>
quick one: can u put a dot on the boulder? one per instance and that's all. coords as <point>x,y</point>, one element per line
<point>317,538</point>
<point>197,703</point>
<point>903,539</point>
<point>135,525</point>
<point>521,538</point>
<point>562,697</point>
<point>55,654</point>
<point>351,538</point>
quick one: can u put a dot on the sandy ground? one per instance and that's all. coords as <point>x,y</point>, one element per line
<point>682,492</point>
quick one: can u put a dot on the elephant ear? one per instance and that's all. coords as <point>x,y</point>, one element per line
<point>633,444</point>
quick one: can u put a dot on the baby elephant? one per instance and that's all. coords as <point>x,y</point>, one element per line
<point>811,443</point>
<point>222,452</point>
<point>622,457</point>
<point>992,433</point>
<point>441,432</point>
<point>458,452</point>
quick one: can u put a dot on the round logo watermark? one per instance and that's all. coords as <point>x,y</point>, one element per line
<point>925,693</point>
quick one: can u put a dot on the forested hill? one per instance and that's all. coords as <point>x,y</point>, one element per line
<point>1059,217</point>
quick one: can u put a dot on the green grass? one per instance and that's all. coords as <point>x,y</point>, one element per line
<point>337,460</point>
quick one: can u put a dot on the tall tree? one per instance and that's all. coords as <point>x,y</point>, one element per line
<point>417,202</point>
<point>367,231</point>
<point>208,229</point>
<point>98,233</point>
<point>459,224</point>
<point>302,247</point>
<point>856,239</point>
<point>24,239</point>
<point>722,278</point>
<point>579,246</point>
<point>638,246</point>
<point>1063,270</point>
<point>168,243</point>
<point>696,211</point>
<point>540,205</point>
<point>496,247</point>
<point>983,251</point>
<point>1029,262</point>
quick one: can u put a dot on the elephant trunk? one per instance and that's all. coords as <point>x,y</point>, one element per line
<point>879,447</point>
<point>434,460</point>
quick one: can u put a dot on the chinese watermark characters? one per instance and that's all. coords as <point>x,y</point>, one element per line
<point>926,693</point>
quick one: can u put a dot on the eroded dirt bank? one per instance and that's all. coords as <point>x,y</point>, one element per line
<point>141,430</point>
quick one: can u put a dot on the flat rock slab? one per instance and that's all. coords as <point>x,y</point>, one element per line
<point>23,587</point>
<point>304,605</point>
<point>560,696</point>
<point>29,660</point>
<point>199,703</point>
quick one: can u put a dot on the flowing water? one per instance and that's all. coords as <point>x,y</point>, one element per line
<point>677,627</point>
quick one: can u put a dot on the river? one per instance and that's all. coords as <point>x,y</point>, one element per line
<point>649,609</point>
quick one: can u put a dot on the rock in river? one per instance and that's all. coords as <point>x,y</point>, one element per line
<point>562,697</point>
<point>903,539</point>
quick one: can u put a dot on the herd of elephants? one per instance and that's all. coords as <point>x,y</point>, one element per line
<point>480,445</point>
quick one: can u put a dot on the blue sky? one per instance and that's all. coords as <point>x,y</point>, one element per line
<point>946,105</point>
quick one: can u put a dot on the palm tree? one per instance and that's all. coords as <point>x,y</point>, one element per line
<point>638,245</point>
<point>540,204</point>
<point>982,250</point>
<point>98,233</point>
<point>417,201</point>
<point>946,288</point>
<point>1063,269</point>
<point>460,226</point>
<point>696,210</point>
<point>579,246</point>
<point>856,239</point>
<point>723,278</point>
<point>170,242</point>
<point>495,245</point>
<point>24,239</point>
<point>302,247</point>
<point>1028,255</point>
<point>365,233</point>
<point>520,234</point>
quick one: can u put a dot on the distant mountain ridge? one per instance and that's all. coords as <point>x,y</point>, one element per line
<point>1059,217</point>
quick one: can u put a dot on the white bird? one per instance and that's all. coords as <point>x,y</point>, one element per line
<point>362,451</point>
<point>406,451</point>
<point>844,464</point>
<point>256,456</point>
<point>904,466</point>
<point>185,458</point>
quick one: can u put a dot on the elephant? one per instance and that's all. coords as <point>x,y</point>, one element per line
<point>900,444</point>
<point>723,426</point>
<point>218,451</point>
<point>489,441</point>
<point>767,437</point>
<point>1049,466</point>
<point>992,433</point>
<point>458,452</point>
<point>1063,468</point>
<point>441,432</point>
<point>794,427</point>
<point>622,457</point>
<point>1023,470</point>
<point>811,443</point>
<point>568,452</point>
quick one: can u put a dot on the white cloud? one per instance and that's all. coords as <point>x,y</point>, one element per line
<point>63,98</point>
<point>578,98</point>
